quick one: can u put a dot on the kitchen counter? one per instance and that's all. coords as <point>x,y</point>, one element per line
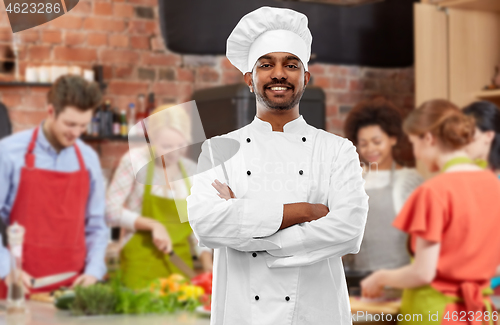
<point>46,314</point>
<point>42,313</point>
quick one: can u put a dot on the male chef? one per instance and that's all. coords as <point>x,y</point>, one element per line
<point>52,185</point>
<point>290,203</point>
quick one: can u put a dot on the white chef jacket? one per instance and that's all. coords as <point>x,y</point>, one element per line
<point>291,276</point>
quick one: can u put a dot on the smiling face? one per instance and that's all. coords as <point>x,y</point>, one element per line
<point>68,125</point>
<point>278,80</point>
<point>169,144</point>
<point>375,146</point>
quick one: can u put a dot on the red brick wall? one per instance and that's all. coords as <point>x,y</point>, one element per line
<point>119,35</point>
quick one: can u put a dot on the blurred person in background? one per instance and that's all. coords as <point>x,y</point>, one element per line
<point>148,213</point>
<point>52,185</point>
<point>486,143</point>
<point>375,127</point>
<point>452,226</point>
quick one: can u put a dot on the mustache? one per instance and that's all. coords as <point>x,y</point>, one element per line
<point>279,83</point>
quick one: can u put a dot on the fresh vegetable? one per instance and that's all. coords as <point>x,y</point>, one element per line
<point>98,299</point>
<point>190,292</point>
<point>203,280</point>
<point>64,299</point>
<point>161,296</point>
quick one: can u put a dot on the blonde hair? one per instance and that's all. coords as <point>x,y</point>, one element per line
<point>176,119</point>
<point>444,120</point>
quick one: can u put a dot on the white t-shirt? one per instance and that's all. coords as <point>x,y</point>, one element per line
<point>405,181</point>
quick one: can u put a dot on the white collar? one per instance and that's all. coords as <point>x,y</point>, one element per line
<point>295,126</point>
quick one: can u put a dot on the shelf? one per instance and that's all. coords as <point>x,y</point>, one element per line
<point>489,5</point>
<point>489,94</point>
<point>24,84</point>
<point>35,84</point>
<point>110,138</point>
<point>98,139</point>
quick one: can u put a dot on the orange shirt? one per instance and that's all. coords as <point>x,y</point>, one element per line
<point>460,210</point>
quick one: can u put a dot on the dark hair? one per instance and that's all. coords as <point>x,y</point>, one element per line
<point>71,90</point>
<point>487,117</point>
<point>378,111</point>
<point>444,120</point>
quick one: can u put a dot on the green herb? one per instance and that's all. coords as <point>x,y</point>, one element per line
<point>113,298</point>
<point>98,299</point>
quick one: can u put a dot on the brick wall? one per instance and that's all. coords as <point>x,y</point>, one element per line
<point>124,37</point>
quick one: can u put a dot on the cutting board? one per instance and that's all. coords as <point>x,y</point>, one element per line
<point>374,307</point>
<point>42,297</point>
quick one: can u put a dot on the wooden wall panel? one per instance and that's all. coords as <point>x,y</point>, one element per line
<point>431,53</point>
<point>488,5</point>
<point>474,50</point>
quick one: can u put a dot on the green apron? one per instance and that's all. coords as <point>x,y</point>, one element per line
<point>426,300</point>
<point>140,261</point>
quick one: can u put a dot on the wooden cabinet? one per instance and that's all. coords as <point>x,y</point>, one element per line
<point>457,46</point>
<point>487,5</point>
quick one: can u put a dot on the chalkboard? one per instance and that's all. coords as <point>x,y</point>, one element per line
<point>377,35</point>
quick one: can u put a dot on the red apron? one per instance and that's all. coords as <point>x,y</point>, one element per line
<point>51,206</point>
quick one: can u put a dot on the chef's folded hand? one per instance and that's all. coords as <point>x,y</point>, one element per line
<point>84,280</point>
<point>224,190</point>
<point>26,281</point>
<point>372,286</point>
<point>161,239</point>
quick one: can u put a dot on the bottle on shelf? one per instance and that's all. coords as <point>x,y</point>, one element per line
<point>96,123</point>
<point>141,108</point>
<point>131,115</point>
<point>123,124</point>
<point>109,118</point>
<point>116,122</point>
<point>88,131</point>
<point>151,103</point>
<point>105,120</point>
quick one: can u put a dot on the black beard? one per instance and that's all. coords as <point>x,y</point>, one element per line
<point>267,102</point>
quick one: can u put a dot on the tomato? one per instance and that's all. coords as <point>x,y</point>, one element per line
<point>203,280</point>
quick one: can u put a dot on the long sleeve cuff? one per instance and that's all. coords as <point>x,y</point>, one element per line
<point>97,270</point>
<point>128,219</point>
<point>291,241</point>
<point>200,250</point>
<point>264,219</point>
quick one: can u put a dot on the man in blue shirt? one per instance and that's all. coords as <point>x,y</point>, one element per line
<point>51,184</point>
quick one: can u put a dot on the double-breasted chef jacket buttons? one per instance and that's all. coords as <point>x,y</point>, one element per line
<point>254,254</point>
<point>256,297</point>
<point>301,172</point>
<point>287,298</point>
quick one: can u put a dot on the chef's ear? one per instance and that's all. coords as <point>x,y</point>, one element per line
<point>249,81</point>
<point>307,77</point>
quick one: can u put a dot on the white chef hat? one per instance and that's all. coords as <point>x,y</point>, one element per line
<point>266,30</point>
